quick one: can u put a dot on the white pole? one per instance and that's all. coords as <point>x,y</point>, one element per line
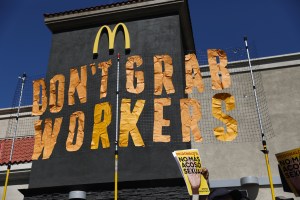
<point>264,142</point>
<point>117,128</point>
<point>13,139</point>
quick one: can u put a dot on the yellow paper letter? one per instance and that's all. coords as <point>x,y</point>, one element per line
<point>101,111</point>
<point>104,66</point>
<point>80,133</point>
<point>128,123</point>
<point>231,123</point>
<point>193,76</point>
<point>46,141</point>
<point>57,104</point>
<point>139,75</point>
<point>159,120</point>
<point>163,78</point>
<point>93,68</point>
<point>189,123</point>
<point>36,97</point>
<point>215,68</point>
<point>78,84</point>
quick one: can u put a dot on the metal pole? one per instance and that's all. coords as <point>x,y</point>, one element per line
<point>13,140</point>
<point>117,128</point>
<point>264,142</point>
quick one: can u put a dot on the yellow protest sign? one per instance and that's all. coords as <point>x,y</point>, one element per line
<point>289,162</point>
<point>190,166</point>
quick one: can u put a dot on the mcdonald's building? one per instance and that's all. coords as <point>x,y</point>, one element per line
<point>125,88</point>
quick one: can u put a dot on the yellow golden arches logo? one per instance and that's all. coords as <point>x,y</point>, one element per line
<point>111,37</point>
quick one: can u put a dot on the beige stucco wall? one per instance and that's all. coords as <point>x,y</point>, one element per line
<point>13,193</point>
<point>234,160</point>
<point>25,124</point>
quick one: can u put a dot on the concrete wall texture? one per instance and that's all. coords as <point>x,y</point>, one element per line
<point>13,193</point>
<point>236,160</point>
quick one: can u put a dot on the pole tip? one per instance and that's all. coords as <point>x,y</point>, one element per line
<point>23,76</point>
<point>118,55</point>
<point>245,38</point>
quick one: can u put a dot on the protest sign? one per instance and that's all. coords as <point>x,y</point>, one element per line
<point>289,162</point>
<point>189,163</point>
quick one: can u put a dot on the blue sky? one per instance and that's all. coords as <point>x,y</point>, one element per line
<point>272,27</point>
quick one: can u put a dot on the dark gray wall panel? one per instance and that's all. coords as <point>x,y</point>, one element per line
<point>73,49</point>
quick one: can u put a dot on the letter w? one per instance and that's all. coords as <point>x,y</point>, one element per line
<point>46,141</point>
